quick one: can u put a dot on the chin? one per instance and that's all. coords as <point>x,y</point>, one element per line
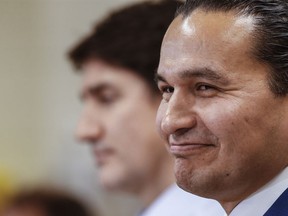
<point>109,184</point>
<point>118,184</point>
<point>184,180</point>
<point>109,187</point>
<point>198,182</point>
<point>110,181</point>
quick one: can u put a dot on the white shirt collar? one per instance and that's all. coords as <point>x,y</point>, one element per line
<point>175,201</point>
<point>260,201</point>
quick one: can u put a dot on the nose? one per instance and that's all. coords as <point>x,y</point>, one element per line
<point>89,128</point>
<point>179,116</point>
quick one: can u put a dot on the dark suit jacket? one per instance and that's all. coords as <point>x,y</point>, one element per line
<point>280,206</point>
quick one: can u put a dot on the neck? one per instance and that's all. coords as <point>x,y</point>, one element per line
<point>161,179</point>
<point>229,206</point>
<point>263,189</point>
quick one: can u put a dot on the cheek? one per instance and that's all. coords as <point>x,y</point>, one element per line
<point>159,118</point>
<point>131,123</point>
<point>217,119</point>
<point>239,129</point>
<point>227,123</point>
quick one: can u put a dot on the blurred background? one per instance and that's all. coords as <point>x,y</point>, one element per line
<point>39,100</point>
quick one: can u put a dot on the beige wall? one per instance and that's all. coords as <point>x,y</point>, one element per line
<point>38,92</point>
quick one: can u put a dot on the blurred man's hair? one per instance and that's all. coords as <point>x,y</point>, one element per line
<point>130,38</point>
<point>51,203</point>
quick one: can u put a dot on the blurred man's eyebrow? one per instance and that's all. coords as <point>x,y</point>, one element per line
<point>200,73</point>
<point>94,90</point>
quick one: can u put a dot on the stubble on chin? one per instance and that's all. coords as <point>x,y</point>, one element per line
<point>200,182</point>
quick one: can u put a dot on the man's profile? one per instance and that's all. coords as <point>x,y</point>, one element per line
<point>224,114</point>
<point>117,63</point>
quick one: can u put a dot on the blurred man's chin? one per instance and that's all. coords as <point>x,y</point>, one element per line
<point>109,187</point>
<point>110,182</point>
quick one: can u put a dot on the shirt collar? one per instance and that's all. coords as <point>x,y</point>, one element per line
<point>260,201</point>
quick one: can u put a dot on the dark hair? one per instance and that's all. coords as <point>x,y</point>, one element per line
<point>52,203</point>
<point>271,32</point>
<point>130,38</point>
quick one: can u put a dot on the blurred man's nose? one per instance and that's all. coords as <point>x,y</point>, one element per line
<point>179,116</point>
<point>89,128</point>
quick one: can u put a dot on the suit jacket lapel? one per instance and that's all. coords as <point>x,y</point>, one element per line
<point>280,206</point>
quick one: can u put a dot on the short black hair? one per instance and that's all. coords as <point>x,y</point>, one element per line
<point>129,38</point>
<point>271,32</point>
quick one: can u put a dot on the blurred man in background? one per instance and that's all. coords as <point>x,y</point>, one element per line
<point>42,202</point>
<point>118,61</point>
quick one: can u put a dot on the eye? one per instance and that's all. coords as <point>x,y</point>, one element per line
<point>204,87</point>
<point>206,90</point>
<point>107,97</point>
<point>167,89</point>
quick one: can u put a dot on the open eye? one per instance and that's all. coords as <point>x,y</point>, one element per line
<point>204,87</point>
<point>167,89</point>
<point>206,90</point>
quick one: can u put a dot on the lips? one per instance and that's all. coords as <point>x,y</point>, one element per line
<point>102,155</point>
<point>189,149</point>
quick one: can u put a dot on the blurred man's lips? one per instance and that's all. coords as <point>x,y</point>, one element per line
<point>101,156</point>
<point>188,149</point>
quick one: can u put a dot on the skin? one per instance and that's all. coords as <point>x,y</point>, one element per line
<point>117,120</point>
<point>220,120</point>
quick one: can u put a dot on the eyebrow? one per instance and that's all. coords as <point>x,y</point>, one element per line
<point>198,73</point>
<point>158,78</point>
<point>94,89</point>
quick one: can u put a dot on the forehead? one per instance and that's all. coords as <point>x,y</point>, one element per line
<point>207,39</point>
<point>212,23</point>
<point>97,72</point>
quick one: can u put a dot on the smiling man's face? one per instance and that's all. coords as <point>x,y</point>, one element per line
<point>220,120</point>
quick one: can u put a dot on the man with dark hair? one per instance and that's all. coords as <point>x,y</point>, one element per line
<point>223,74</point>
<point>43,202</point>
<point>118,61</point>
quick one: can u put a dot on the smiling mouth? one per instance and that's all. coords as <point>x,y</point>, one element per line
<point>188,149</point>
